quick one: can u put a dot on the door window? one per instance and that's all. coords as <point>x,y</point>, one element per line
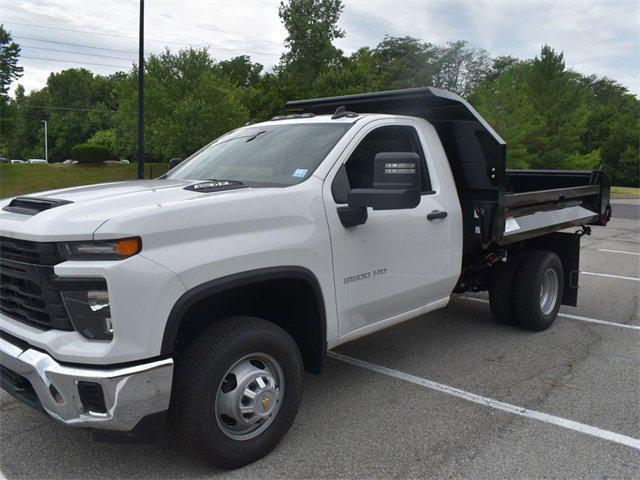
<point>393,138</point>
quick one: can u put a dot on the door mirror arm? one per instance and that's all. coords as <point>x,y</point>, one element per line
<point>352,216</point>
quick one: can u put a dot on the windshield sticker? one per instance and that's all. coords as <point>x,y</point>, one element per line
<point>300,173</point>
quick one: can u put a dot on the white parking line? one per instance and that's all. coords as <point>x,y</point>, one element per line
<point>572,317</point>
<point>601,322</point>
<point>617,251</point>
<point>488,402</point>
<point>611,276</point>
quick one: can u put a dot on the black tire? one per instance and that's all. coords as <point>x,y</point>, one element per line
<point>527,287</point>
<point>501,290</point>
<point>199,373</point>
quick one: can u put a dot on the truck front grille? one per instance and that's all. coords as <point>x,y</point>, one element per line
<point>24,251</point>
<point>27,289</point>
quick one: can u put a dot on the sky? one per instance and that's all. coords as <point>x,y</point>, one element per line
<point>597,37</point>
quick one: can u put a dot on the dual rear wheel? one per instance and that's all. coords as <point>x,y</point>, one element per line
<point>528,290</point>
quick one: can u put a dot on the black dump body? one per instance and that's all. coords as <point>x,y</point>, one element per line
<point>499,206</point>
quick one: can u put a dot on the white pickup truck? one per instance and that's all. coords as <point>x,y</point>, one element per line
<point>202,296</point>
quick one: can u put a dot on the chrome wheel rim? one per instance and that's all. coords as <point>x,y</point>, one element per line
<point>249,396</point>
<point>549,291</point>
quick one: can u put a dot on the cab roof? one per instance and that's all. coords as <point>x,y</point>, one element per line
<point>432,104</point>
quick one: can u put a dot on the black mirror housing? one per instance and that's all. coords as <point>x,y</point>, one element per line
<point>396,170</point>
<point>396,181</point>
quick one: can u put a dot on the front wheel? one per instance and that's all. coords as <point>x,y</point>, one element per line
<point>538,290</point>
<point>236,391</point>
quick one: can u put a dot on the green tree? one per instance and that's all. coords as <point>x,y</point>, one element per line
<point>187,104</point>
<point>506,106</point>
<point>560,101</point>
<point>356,74</point>
<point>460,67</point>
<point>9,71</point>
<point>8,119</point>
<point>9,68</point>
<point>78,109</point>
<point>499,65</point>
<point>74,102</point>
<point>403,62</point>
<point>613,128</point>
<point>541,110</point>
<point>620,151</point>
<point>26,139</point>
<point>265,99</point>
<point>628,168</point>
<point>240,71</point>
<point>248,77</point>
<point>312,26</point>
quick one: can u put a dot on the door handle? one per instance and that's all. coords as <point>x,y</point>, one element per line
<point>436,214</point>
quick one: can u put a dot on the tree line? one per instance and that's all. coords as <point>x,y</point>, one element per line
<point>550,116</point>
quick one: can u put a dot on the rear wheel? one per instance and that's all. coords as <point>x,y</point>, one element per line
<point>538,290</point>
<point>236,391</point>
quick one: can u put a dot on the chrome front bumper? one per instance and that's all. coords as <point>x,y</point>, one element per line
<point>130,393</point>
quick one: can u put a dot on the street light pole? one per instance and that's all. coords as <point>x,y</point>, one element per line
<point>46,147</point>
<point>141,94</point>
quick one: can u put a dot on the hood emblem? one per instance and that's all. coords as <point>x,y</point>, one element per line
<point>200,186</point>
<point>215,186</point>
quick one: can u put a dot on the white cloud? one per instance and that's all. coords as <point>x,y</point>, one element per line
<point>598,37</point>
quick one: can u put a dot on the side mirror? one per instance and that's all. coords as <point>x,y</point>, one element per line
<point>174,162</point>
<point>396,183</point>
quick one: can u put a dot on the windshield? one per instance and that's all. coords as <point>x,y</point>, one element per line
<point>275,155</point>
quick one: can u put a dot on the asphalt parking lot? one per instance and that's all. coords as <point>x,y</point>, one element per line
<point>564,403</point>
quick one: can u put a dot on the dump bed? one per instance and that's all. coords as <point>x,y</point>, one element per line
<point>499,206</point>
<point>535,202</point>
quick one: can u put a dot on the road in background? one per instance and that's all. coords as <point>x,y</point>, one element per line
<point>628,208</point>
<point>355,422</point>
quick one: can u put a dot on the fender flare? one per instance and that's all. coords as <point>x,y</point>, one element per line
<point>212,287</point>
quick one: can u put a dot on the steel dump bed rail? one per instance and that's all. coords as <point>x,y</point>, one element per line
<point>579,198</point>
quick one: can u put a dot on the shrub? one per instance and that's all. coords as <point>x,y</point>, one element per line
<point>87,153</point>
<point>106,138</point>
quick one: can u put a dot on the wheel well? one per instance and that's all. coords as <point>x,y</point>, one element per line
<point>476,275</point>
<point>290,299</point>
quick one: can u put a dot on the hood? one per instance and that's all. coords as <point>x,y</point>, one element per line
<point>76,213</point>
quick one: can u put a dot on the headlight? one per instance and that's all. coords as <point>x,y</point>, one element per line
<point>101,250</point>
<point>90,312</point>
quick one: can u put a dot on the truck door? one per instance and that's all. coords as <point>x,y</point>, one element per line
<point>396,264</point>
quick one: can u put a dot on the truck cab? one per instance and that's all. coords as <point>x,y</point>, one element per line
<point>201,296</point>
